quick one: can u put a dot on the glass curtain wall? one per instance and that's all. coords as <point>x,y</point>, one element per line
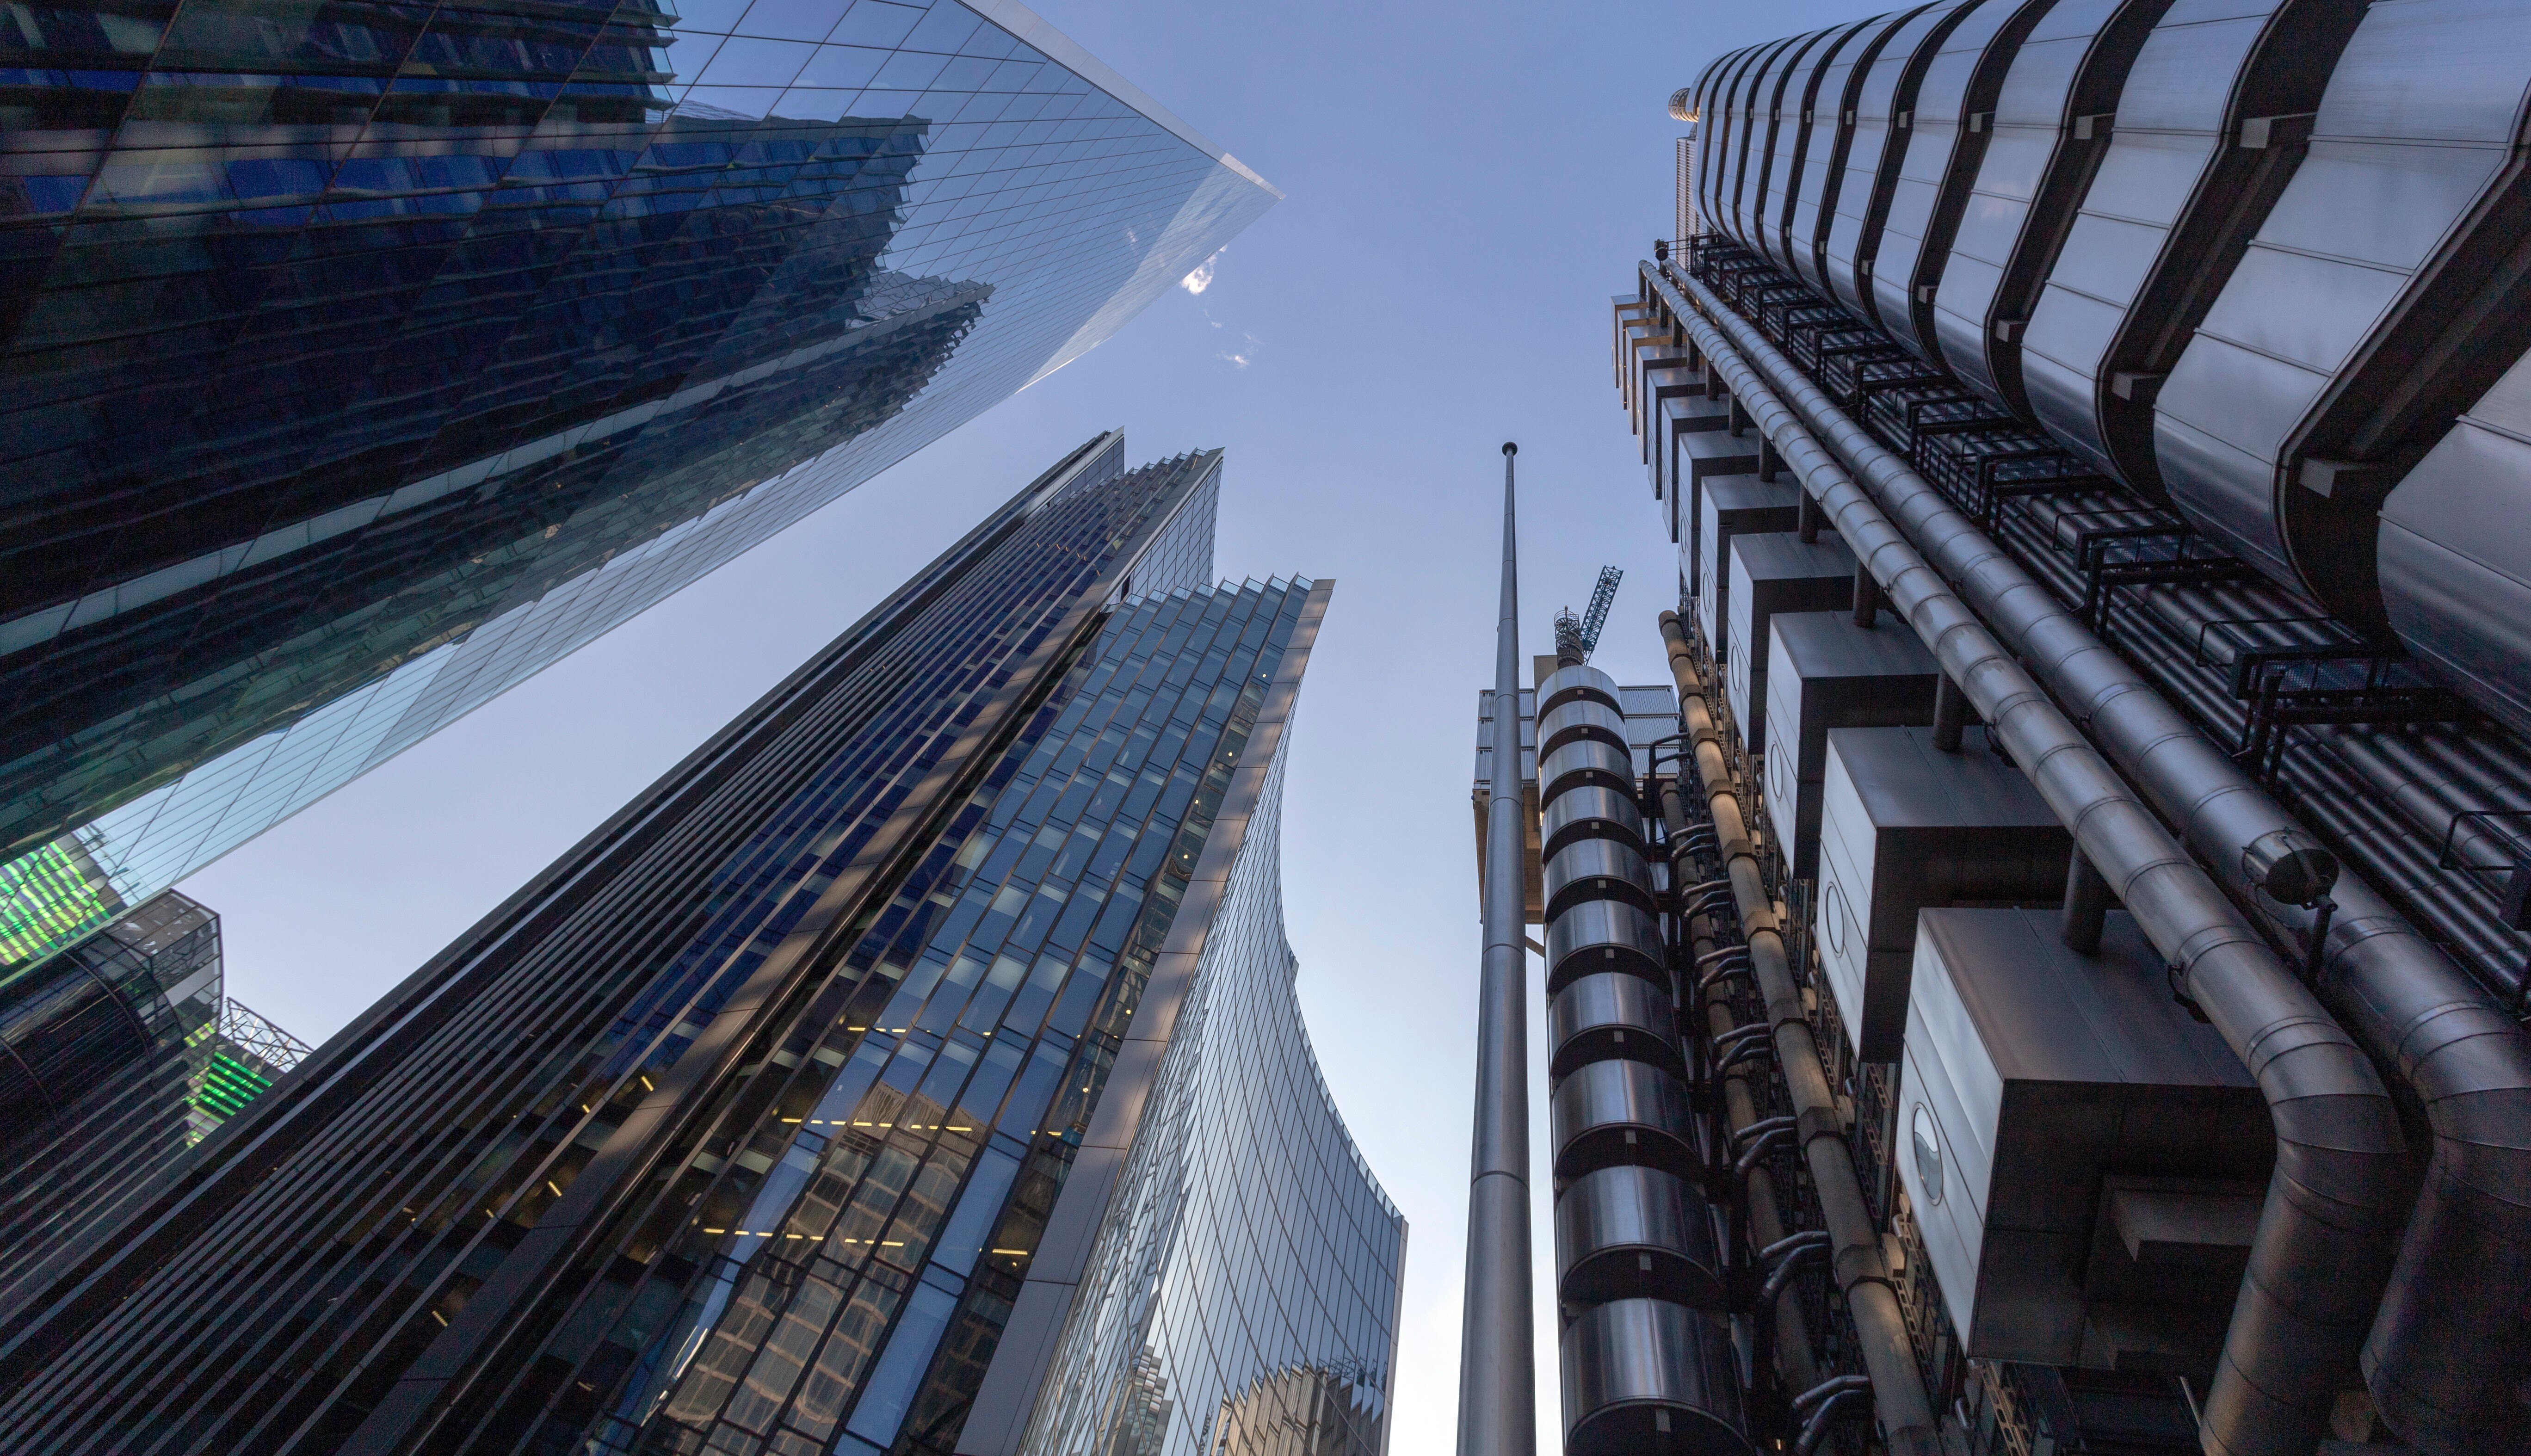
<point>514,319</point>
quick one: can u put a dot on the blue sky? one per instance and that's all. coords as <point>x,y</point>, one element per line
<point>1467,184</point>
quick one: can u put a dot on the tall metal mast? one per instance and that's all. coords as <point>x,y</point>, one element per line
<point>1497,1395</point>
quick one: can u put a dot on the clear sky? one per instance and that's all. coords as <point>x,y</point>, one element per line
<point>1467,184</point>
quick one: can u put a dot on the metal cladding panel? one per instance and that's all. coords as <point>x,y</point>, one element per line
<point>1687,414</point>
<point>2162,222</point>
<point>1612,1113</point>
<point>1598,869</point>
<point>1577,718</point>
<point>2353,271</point>
<point>1718,126</point>
<point>1883,119</point>
<point>1732,146</point>
<point>1775,573</point>
<point>1824,672</point>
<point>1579,682</point>
<point>1585,814</point>
<point>1701,455</point>
<point>1811,105</point>
<point>1730,506</point>
<point>1636,1233</point>
<point>1779,123</point>
<point>1904,828</point>
<point>1588,762</point>
<point>1600,935</point>
<point>2065,79</point>
<point>1667,380</point>
<point>2030,1072</point>
<point>1752,112</point>
<point>1942,152</point>
<point>2456,553</point>
<point>1611,1015</point>
<point>1650,1376</point>
<point>1834,103</point>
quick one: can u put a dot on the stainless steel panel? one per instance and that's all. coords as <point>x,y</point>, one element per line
<point>1904,827</point>
<point>1585,763</point>
<point>2162,225</point>
<point>1610,1015</point>
<point>1730,506</point>
<point>1620,1113</point>
<point>1636,1233</point>
<point>1598,869</point>
<point>1698,457</point>
<point>2030,1073</point>
<point>2455,553</point>
<point>1648,1375</point>
<point>1780,102</point>
<point>1584,813</point>
<point>1687,414</point>
<point>1824,673</point>
<point>1579,718</point>
<point>1887,95</point>
<point>1834,102</point>
<point>1771,573</point>
<point>1740,158</point>
<point>2358,273</point>
<point>1578,683</point>
<point>1811,129</point>
<point>1963,81</point>
<point>1603,935</point>
<point>1720,127</point>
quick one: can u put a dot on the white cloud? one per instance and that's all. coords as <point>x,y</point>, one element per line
<point>1202,278</point>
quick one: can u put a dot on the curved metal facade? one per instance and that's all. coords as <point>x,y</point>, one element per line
<point>2252,258</point>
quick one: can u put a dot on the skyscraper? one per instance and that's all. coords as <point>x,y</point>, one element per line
<point>2103,426</point>
<point>845,1092</point>
<point>359,362</point>
<point>115,1057</point>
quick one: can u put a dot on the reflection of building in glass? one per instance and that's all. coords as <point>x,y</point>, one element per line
<point>115,1057</point>
<point>361,361</point>
<point>1307,1411</point>
<point>769,1118</point>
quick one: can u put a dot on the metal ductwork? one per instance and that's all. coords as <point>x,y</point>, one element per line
<point>1646,1356</point>
<point>2328,1234</point>
<point>2446,1355</point>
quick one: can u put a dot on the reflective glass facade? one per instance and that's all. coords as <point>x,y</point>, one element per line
<point>114,1059</point>
<point>1242,1293</point>
<point>740,1128</point>
<point>514,318</point>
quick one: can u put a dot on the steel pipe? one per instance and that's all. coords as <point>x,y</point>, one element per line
<point>2329,1231</point>
<point>1889,1356</point>
<point>2449,1349</point>
<point>1498,1404</point>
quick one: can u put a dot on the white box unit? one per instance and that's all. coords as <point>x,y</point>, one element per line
<point>1824,672</point>
<point>1777,572</point>
<point>1904,827</point>
<point>2034,1075</point>
<point>1730,506</point>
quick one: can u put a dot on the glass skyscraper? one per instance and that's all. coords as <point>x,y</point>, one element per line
<point>914,1069</point>
<point>359,359</point>
<point>115,1057</point>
